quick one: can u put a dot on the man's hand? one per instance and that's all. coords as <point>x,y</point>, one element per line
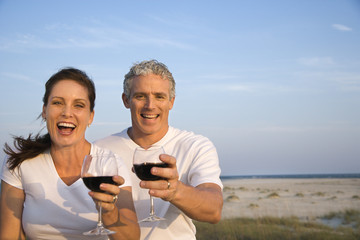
<point>164,189</point>
<point>202,203</point>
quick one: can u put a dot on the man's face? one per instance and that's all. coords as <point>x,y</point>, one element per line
<point>149,105</point>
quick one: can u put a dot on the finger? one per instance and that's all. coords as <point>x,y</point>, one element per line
<point>170,160</point>
<point>114,199</point>
<point>166,192</point>
<point>159,194</point>
<point>107,201</point>
<point>119,180</point>
<point>111,199</point>
<point>110,189</point>
<point>98,196</point>
<point>167,173</point>
<point>150,184</point>
<point>107,198</point>
<point>106,206</point>
<point>156,185</point>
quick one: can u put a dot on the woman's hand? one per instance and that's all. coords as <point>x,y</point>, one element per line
<point>118,216</point>
<point>109,198</point>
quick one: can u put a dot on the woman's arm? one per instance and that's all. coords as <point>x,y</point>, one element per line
<point>118,216</point>
<point>11,209</point>
<point>125,222</point>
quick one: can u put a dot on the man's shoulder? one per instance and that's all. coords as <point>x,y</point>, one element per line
<point>186,136</point>
<point>112,138</point>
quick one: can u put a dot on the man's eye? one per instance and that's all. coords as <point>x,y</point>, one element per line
<point>79,106</point>
<point>139,96</point>
<point>160,97</point>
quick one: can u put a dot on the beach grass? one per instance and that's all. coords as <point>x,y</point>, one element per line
<point>290,228</point>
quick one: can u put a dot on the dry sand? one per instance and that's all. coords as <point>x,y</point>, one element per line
<point>306,199</point>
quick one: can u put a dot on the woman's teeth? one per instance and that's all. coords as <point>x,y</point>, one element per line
<point>66,125</point>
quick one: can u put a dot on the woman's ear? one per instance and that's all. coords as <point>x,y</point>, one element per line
<point>43,113</point>
<point>91,119</point>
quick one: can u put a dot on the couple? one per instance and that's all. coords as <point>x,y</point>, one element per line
<point>43,197</point>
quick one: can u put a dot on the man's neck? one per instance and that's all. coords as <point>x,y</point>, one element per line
<point>145,140</point>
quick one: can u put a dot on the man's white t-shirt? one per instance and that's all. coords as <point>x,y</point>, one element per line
<point>197,163</point>
<point>52,209</point>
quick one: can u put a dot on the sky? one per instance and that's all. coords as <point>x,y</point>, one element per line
<point>275,85</point>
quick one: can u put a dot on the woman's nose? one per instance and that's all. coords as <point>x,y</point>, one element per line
<point>67,111</point>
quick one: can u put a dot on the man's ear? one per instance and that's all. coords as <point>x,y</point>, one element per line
<point>125,101</point>
<point>172,103</point>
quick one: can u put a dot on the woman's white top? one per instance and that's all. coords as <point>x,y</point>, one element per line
<point>52,209</point>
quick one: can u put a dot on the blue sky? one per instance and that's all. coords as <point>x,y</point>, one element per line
<point>274,84</point>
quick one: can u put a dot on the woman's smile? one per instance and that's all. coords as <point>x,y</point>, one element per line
<point>66,128</point>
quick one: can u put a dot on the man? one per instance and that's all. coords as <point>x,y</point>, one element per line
<point>192,189</point>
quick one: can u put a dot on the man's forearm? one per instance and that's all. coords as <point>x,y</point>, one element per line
<point>202,203</point>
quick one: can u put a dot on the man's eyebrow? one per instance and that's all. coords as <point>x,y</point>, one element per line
<point>160,93</point>
<point>152,93</point>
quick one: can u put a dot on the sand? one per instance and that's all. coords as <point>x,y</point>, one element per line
<point>307,199</point>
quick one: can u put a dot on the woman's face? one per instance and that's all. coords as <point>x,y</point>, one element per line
<point>67,113</point>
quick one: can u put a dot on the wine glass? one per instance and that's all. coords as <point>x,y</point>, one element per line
<point>97,169</point>
<point>143,161</point>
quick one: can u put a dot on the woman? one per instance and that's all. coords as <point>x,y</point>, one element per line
<point>42,194</point>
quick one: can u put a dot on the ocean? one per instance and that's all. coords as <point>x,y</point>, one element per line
<point>321,175</point>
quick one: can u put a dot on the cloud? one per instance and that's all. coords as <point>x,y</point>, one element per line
<point>347,81</point>
<point>19,77</point>
<point>341,27</point>
<point>110,123</point>
<point>316,61</point>
<point>239,88</point>
<point>284,129</point>
<point>258,88</point>
<point>11,113</point>
<point>91,37</point>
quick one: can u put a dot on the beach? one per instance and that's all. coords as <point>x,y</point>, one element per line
<point>308,199</point>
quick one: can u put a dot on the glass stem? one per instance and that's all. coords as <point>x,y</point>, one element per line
<point>100,214</point>
<point>151,206</point>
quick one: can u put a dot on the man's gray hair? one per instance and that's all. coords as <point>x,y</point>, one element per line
<point>148,67</point>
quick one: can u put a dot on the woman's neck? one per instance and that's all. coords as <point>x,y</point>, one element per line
<point>68,161</point>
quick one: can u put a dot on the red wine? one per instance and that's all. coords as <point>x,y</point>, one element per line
<point>143,171</point>
<point>93,183</point>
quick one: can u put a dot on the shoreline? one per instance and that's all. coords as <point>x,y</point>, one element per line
<point>291,176</point>
<point>305,198</point>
